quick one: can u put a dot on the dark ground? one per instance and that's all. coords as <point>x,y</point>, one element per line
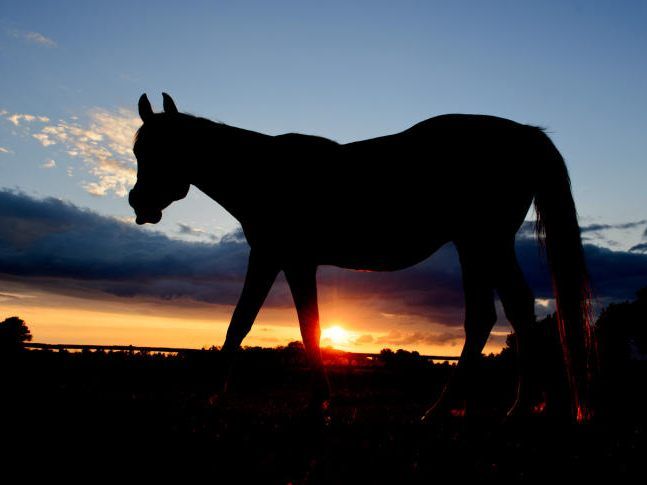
<point>108,412</point>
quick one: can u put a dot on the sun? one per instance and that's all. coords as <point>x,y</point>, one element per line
<point>336,334</point>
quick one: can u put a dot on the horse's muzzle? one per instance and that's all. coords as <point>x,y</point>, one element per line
<point>143,213</point>
<point>152,217</point>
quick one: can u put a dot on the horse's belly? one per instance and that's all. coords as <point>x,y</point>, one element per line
<point>387,254</point>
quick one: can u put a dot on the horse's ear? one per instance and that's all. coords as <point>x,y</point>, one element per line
<point>169,105</point>
<point>145,109</point>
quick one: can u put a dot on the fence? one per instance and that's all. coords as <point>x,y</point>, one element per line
<point>132,348</point>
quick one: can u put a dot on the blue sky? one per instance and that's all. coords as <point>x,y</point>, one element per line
<point>71,74</point>
<point>345,70</point>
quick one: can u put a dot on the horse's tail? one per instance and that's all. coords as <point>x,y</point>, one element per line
<point>559,233</point>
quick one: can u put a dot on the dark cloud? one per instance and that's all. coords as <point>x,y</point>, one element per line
<point>601,239</point>
<point>54,243</point>
<point>55,239</point>
<point>397,338</point>
<point>440,273</point>
<point>606,227</point>
<point>591,232</point>
<point>641,248</point>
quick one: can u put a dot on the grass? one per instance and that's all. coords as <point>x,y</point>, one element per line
<point>106,410</point>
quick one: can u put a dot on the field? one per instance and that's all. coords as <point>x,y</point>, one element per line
<point>118,410</point>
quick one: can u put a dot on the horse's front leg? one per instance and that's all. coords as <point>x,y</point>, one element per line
<point>261,273</point>
<point>303,285</point>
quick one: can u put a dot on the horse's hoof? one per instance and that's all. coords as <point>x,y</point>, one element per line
<point>526,409</point>
<point>318,413</point>
<point>214,399</point>
<point>442,410</point>
<point>217,398</point>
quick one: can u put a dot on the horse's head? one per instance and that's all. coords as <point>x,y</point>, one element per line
<point>160,178</point>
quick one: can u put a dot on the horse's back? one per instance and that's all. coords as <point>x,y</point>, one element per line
<point>465,122</point>
<point>389,202</point>
<point>304,139</point>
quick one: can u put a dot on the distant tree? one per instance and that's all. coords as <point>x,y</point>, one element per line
<point>13,334</point>
<point>621,334</point>
<point>386,356</point>
<point>543,338</point>
<point>295,345</point>
<point>401,358</point>
<point>509,350</point>
<point>545,361</point>
<point>621,330</point>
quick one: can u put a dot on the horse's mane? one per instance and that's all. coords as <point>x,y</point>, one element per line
<point>198,123</point>
<point>197,120</point>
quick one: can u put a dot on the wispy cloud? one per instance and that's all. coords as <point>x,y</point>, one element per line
<point>44,139</point>
<point>366,338</point>
<point>49,164</point>
<point>528,227</point>
<point>7,296</point>
<point>5,150</point>
<point>599,234</point>
<point>187,230</point>
<point>34,38</point>
<point>397,338</point>
<point>104,144</point>
<point>18,119</point>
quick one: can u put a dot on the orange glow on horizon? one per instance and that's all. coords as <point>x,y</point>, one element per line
<point>105,320</point>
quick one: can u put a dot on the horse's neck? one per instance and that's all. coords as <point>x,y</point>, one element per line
<point>219,163</point>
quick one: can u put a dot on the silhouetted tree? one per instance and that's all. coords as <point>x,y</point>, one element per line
<point>294,353</point>
<point>622,331</point>
<point>13,335</point>
<point>401,358</point>
<point>543,337</point>
<point>295,345</point>
<point>387,356</point>
<point>544,360</point>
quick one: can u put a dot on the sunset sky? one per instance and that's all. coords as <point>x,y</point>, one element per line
<point>75,266</point>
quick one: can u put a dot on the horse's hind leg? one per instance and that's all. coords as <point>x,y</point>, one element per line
<point>480,316</point>
<point>303,286</point>
<point>518,304</point>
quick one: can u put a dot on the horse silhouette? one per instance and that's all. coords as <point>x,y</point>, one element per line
<point>305,201</point>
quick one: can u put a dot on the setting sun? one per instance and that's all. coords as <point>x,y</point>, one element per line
<point>337,335</point>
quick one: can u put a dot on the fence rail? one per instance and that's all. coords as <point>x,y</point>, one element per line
<point>132,348</point>
<point>122,348</point>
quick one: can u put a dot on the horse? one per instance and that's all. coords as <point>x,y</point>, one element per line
<point>305,201</point>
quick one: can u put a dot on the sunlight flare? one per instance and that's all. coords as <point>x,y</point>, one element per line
<point>337,335</point>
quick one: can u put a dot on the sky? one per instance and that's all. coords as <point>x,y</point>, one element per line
<point>74,265</point>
